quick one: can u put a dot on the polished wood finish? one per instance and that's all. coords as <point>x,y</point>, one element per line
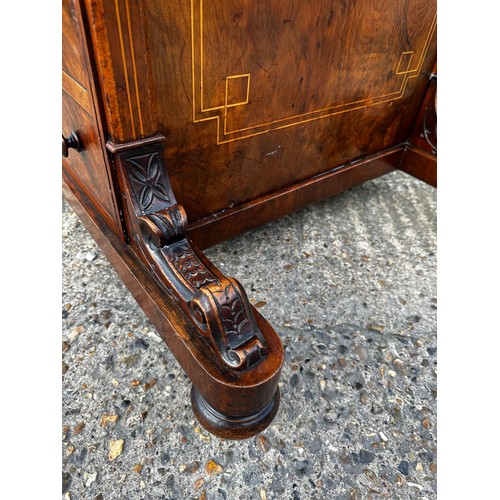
<point>198,120</point>
<point>420,164</point>
<point>169,65</point>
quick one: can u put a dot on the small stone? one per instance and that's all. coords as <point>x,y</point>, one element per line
<point>115,382</point>
<point>404,467</point>
<point>69,450</point>
<point>90,256</point>
<point>203,495</point>
<point>135,383</point>
<point>189,468</point>
<point>115,448</point>
<point>354,494</point>
<point>108,419</point>
<point>138,468</point>
<point>398,365</point>
<point>316,445</point>
<point>263,444</point>
<point>343,349</point>
<point>260,303</point>
<point>67,496</point>
<point>415,485</point>
<point>90,479</point>
<point>366,457</point>
<point>263,494</point>
<point>433,467</point>
<point>130,361</point>
<point>419,468</point>
<point>205,438</point>
<point>75,332</point>
<point>78,428</point>
<point>294,380</point>
<point>141,344</point>
<point>79,459</point>
<point>413,319</point>
<point>66,482</point>
<point>212,468</point>
<point>65,368</point>
<point>426,422</point>
<point>391,373</point>
<point>65,346</point>
<point>302,467</point>
<point>322,385</point>
<point>149,384</point>
<point>375,328</point>
<point>383,437</point>
<point>387,357</point>
<point>361,352</point>
<point>199,483</point>
<point>142,484</point>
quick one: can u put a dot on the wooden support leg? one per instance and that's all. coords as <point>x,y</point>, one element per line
<point>229,351</point>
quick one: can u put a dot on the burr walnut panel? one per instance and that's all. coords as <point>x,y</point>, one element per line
<point>273,93</point>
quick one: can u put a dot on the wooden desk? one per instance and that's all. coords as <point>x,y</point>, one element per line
<point>229,115</point>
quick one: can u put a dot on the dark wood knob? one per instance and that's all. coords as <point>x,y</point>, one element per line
<point>71,142</point>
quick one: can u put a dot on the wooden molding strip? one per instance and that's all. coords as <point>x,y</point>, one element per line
<point>229,223</point>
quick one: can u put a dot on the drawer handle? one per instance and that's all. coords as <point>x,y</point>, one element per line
<point>71,142</point>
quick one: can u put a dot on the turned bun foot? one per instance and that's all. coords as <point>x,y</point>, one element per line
<point>233,427</point>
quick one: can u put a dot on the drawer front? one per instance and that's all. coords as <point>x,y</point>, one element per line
<point>89,167</point>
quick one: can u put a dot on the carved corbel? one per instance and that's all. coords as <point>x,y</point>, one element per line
<point>215,305</point>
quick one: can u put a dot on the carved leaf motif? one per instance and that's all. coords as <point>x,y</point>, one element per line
<point>193,271</point>
<point>148,183</point>
<point>232,312</point>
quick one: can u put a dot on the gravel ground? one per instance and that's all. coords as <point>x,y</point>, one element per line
<point>350,286</point>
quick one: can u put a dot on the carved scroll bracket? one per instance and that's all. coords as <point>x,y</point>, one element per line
<point>217,305</point>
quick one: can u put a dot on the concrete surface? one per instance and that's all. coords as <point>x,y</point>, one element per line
<point>350,286</point>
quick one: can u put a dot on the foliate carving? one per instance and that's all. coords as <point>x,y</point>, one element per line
<point>189,266</point>
<point>148,182</point>
<point>223,310</point>
<point>218,306</point>
<point>235,321</point>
